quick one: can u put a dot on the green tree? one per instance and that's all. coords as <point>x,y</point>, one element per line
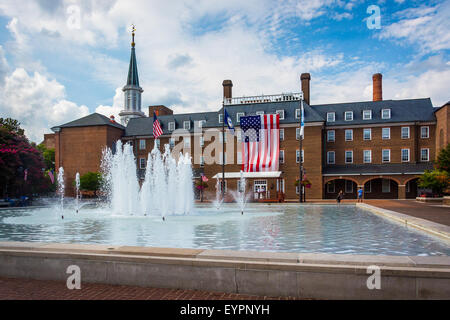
<point>49,156</point>
<point>91,181</point>
<point>12,125</point>
<point>443,159</point>
<point>436,180</point>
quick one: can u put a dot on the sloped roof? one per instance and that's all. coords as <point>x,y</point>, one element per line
<point>133,78</point>
<point>401,111</point>
<point>94,119</point>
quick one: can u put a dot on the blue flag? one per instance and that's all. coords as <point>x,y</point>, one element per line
<point>229,122</point>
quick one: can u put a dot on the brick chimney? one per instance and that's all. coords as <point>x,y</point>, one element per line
<point>377,79</point>
<point>112,119</point>
<point>227,89</point>
<point>160,110</point>
<point>305,79</point>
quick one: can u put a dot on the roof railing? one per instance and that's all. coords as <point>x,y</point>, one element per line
<point>264,98</point>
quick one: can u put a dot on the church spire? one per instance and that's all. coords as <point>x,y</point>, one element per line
<point>132,90</point>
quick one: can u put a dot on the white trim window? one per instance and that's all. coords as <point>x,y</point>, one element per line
<point>349,156</point>
<point>348,116</point>
<point>367,114</point>
<point>349,135</point>
<point>281,113</point>
<point>142,163</point>
<point>171,126</point>
<point>405,155</point>
<point>187,125</point>
<point>172,142</point>
<point>157,143</point>
<point>385,114</point>
<point>385,185</point>
<point>201,123</point>
<point>386,133</point>
<point>331,136</point>
<point>331,187</point>
<point>424,154</point>
<point>405,132</point>
<point>367,134</point>
<point>297,113</point>
<point>331,157</point>
<point>297,155</point>
<point>281,132</point>
<point>187,142</point>
<point>348,186</point>
<point>386,155</point>
<point>239,115</point>
<point>142,144</point>
<point>425,132</point>
<point>297,133</point>
<point>367,156</point>
<point>220,117</point>
<point>331,116</point>
<point>281,156</point>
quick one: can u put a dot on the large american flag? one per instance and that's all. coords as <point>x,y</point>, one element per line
<point>157,131</point>
<point>260,142</point>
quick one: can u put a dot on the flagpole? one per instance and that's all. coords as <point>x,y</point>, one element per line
<point>300,186</point>
<point>223,150</point>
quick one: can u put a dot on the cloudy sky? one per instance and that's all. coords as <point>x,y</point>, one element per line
<point>60,60</point>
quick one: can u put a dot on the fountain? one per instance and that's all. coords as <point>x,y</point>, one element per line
<point>165,190</point>
<point>77,191</point>
<point>61,188</point>
<point>219,199</point>
<point>239,195</point>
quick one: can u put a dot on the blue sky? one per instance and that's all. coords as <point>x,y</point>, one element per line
<point>60,60</point>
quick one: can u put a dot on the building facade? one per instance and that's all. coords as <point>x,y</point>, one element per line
<point>381,145</point>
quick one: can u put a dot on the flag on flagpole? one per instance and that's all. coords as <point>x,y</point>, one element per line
<point>260,143</point>
<point>52,177</point>
<point>157,131</point>
<point>302,124</point>
<point>26,175</point>
<point>229,122</point>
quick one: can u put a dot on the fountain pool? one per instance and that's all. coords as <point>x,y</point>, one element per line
<point>346,229</point>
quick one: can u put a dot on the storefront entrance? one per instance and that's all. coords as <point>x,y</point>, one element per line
<point>260,191</point>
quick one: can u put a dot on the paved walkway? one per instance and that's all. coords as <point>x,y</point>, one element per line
<point>428,211</point>
<point>25,289</point>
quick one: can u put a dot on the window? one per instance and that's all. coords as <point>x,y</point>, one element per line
<point>367,155</point>
<point>239,157</point>
<point>386,133</point>
<point>281,134</point>
<point>368,187</point>
<point>367,134</point>
<point>220,117</point>
<point>281,113</point>
<point>171,126</point>
<point>259,113</point>
<point>331,117</point>
<point>405,132</point>
<point>172,142</point>
<point>142,144</point>
<point>348,186</point>
<point>297,113</point>
<point>349,135</point>
<point>348,115</point>
<point>238,116</point>
<point>367,114</point>
<point>297,156</point>
<point>385,185</point>
<point>385,113</point>
<point>424,132</point>
<point>348,156</point>
<point>201,123</point>
<point>202,141</point>
<point>331,187</point>
<point>157,143</point>
<point>297,133</point>
<point>425,154</point>
<point>405,155</point>
<point>187,125</point>
<point>331,157</point>
<point>386,155</point>
<point>187,142</point>
<point>331,135</point>
<point>142,163</point>
<point>408,187</point>
<point>281,158</point>
<point>202,161</point>
<point>239,135</point>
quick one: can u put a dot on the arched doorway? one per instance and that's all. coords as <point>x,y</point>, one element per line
<point>381,188</point>
<point>412,188</point>
<point>348,187</point>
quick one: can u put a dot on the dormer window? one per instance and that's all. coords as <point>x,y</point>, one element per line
<point>239,115</point>
<point>348,115</point>
<point>385,113</point>
<point>297,113</point>
<point>220,118</point>
<point>187,125</point>
<point>281,113</point>
<point>171,126</point>
<point>367,114</point>
<point>259,113</point>
<point>331,117</point>
<point>201,123</point>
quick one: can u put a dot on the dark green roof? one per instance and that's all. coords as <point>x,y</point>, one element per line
<point>94,119</point>
<point>133,78</point>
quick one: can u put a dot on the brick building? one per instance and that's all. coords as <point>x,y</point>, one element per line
<point>382,146</point>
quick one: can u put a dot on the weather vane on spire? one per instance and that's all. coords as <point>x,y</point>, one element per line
<point>133,30</point>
